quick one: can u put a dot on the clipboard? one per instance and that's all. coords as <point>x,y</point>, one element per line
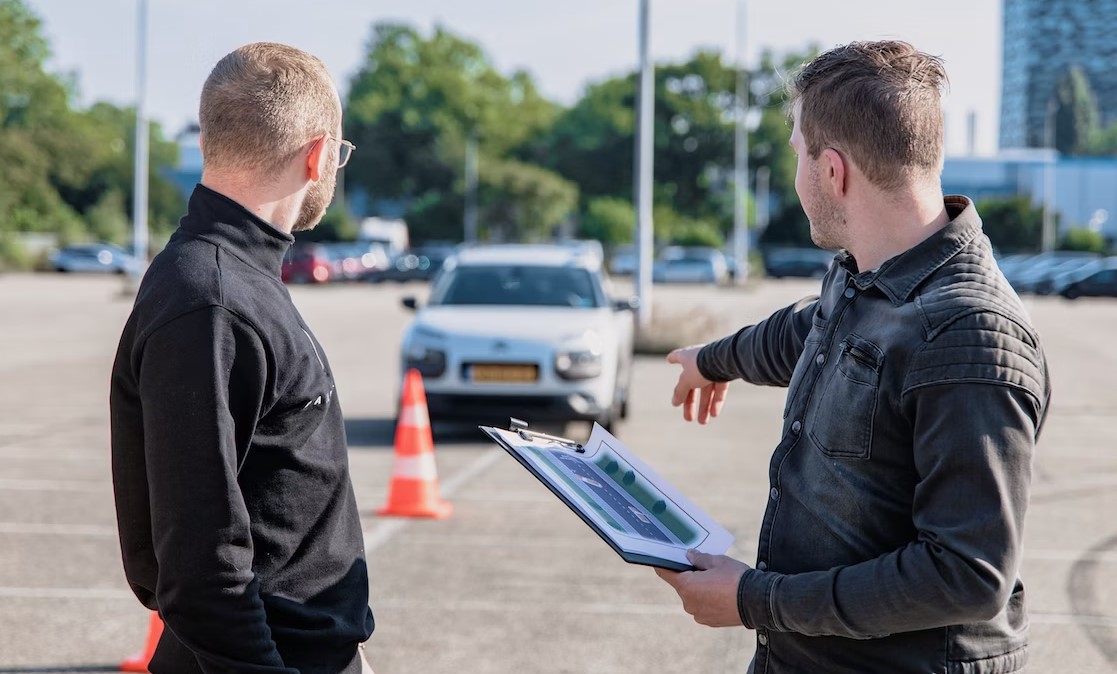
<point>622,499</point>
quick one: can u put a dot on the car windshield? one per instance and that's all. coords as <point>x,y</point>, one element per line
<point>519,286</point>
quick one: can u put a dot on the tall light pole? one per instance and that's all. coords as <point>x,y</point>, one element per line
<point>741,153</point>
<point>643,183</point>
<point>470,225</point>
<point>763,178</point>
<point>139,180</point>
<point>1047,242</point>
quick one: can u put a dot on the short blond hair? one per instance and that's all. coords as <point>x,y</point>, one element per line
<point>261,104</point>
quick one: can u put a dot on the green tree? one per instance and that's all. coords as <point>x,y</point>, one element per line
<point>698,233</point>
<point>106,218</point>
<point>114,172</point>
<point>610,220</point>
<point>414,104</point>
<point>1013,224</point>
<point>1085,240</point>
<point>63,165</point>
<point>34,116</point>
<point>1076,112</point>
<point>522,202</point>
<point>592,142</point>
<point>336,225</point>
<point>1103,141</point>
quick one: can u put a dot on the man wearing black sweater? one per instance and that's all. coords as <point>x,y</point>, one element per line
<point>235,509</point>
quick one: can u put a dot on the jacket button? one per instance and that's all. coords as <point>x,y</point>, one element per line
<point>820,358</point>
<point>762,637</point>
<point>761,566</point>
<point>775,494</point>
<point>850,292</point>
<point>796,427</point>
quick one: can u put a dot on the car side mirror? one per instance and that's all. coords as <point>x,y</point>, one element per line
<point>626,304</point>
<point>410,303</point>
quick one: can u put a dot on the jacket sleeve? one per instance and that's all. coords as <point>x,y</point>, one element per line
<point>975,415</point>
<point>202,382</point>
<point>764,353</point>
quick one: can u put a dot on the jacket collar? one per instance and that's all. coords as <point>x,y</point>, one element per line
<point>901,275</point>
<point>217,218</point>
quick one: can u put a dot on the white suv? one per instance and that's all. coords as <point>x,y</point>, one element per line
<point>522,330</point>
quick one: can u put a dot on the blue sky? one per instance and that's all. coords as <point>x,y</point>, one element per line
<point>564,45</point>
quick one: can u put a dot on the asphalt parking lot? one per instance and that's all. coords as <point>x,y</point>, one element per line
<point>512,582</point>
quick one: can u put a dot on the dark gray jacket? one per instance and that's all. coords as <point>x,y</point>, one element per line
<point>892,536</point>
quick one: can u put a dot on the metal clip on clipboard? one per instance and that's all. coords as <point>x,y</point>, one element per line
<point>519,427</point>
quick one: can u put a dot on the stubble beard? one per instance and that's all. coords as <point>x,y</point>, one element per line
<point>828,220</point>
<point>317,200</point>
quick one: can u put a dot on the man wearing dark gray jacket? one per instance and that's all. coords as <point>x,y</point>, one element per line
<point>891,541</point>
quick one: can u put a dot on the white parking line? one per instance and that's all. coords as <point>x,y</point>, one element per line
<point>1069,556</point>
<point>1060,487</point>
<point>34,528</point>
<point>90,486</point>
<point>1071,619</point>
<point>98,455</point>
<point>383,533</point>
<point>494,542</point>
<point>565,608</point>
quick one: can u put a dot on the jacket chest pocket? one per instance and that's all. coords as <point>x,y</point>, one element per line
<point>842,426</point>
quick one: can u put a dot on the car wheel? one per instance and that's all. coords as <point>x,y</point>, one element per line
<point>1071,293</point>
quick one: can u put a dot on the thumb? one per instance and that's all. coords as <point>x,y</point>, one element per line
<point>673,357</point>
<point>700,560</point>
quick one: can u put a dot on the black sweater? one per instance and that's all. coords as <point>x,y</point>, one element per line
<point>236,513</point>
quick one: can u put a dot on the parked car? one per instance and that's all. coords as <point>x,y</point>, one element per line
<point>352,261</point>
<point>94,257</point>
<point>591,246</point>
<point>1030,274</point>
<point>1100,282</point>
<point>623,261</point>
<point>799,262</point>
<point>307,263</point>
<point>420,264</point>
<point>522,330</point>
<point>692,264</point>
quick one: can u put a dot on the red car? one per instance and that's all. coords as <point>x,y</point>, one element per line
<point>307,263</point>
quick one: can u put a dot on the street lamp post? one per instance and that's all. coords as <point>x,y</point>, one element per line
<point>139,189</point>
<point>470,225</point>
<point>1047,242</point>
<point>741,153</point>
<point>643,183</point>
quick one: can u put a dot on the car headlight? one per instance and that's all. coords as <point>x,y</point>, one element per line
<point>580,357</point>
<point>429,361</point>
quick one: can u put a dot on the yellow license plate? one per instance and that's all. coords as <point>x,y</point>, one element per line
<point>504,373</point>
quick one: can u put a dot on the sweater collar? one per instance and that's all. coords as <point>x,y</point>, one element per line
<point>214,216</point>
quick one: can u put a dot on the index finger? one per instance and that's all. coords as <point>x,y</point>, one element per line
<point>668,576</point>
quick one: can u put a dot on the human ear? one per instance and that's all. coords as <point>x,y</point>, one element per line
<point>314,159</point>
<point>836,171</point>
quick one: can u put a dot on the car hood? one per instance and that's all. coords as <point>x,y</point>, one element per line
<point>515,322</point>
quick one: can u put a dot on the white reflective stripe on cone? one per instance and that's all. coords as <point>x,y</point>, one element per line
<point>414,416</point>
<point>419,467</point>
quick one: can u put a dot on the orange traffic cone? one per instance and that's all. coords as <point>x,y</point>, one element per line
<point>414,488</point>
<point>140,661</point>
